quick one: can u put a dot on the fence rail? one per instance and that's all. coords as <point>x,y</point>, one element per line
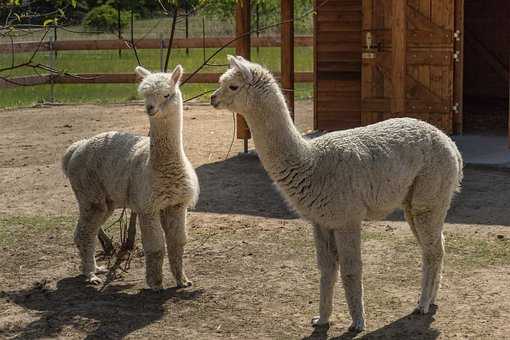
<point>114,44</point>
<point>125,78</point>
<point>119,78</point>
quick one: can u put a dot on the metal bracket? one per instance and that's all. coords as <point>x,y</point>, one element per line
<point>456,108</point>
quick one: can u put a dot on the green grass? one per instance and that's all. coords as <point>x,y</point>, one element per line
<point>14,229</point>
<point>462,251</point>
<point>109,62</point>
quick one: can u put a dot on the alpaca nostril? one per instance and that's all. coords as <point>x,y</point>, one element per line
<point>150,108</point>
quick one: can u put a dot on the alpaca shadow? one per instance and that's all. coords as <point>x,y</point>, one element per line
<point>411,326</point>
<point>113,313</point>
<point>240,185</point>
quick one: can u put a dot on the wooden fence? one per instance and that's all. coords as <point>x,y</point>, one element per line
<point>121,78</point>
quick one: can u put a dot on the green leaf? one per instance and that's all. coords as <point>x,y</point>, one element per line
<point>48,22</point>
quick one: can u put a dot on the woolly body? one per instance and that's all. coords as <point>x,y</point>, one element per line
<point>150,175</point>
<point>338,180</point>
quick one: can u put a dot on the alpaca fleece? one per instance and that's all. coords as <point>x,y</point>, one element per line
<point>338,180</point>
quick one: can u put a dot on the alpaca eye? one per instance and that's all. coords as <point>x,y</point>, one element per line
<point>168,95</point>
<point>233,87</point>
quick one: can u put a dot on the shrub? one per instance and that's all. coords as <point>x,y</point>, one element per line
<point>104,18</point>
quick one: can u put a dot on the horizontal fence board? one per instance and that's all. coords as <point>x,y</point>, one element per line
<point>121,78</point>
<point>82,45</point>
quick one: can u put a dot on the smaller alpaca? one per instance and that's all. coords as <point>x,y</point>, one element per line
<point>149,175</point>
<point>342,178</point>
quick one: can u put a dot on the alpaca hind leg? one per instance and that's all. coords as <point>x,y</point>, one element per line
<point>327,262</point>
<point>173,221</point>
<point>90,220</point>
<point>429,227</point>
<point>409,218</point>
<point>348,245</point>
<point>154,248</point>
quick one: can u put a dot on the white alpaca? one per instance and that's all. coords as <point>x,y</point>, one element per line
<point>149,175</point>
<point>341,178</point>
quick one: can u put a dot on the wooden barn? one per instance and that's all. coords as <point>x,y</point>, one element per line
<point>443,61</point>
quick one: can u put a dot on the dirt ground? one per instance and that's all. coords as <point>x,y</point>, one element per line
<point>250,258</point>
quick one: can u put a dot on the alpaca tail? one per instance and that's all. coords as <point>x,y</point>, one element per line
<point>460,164</point>
<point>67,156</point>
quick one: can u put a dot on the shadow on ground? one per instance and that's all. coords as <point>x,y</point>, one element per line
<point>240,185</point>
<point>412,326</point>
<point>100,314</point>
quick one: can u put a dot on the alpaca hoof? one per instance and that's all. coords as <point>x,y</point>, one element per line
<point>357,326</point>
<point>101,270</point>
<point>156,287</point>
<point>184,284</point>
<point>318,323</point>
<point>420,309</point>
<point>94,280</point>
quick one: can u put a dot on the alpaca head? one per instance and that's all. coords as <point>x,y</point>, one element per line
<point>160,90</point>
<point>244,87</point>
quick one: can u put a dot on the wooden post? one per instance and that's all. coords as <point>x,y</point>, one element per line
<point>243,47</point>
<point>287,52</point>
<point>399,49</point>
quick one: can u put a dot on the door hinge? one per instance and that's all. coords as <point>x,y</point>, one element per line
<point>456,108</point>
<point>456,56</point>
<point>456,35</point>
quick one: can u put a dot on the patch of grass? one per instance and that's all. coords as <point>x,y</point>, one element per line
<point>25,229</point>
<point>471,251</point>
<point>109,62</point>
<point>14,229</point>
<point>462,251</point>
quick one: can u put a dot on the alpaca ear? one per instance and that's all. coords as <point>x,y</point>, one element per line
<point>177,74</point>
<point>142,72</point>
<point>241,64</point>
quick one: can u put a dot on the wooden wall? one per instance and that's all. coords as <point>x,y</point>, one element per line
<point>337,65</point>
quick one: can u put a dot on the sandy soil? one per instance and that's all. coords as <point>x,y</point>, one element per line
<point>251,259</point>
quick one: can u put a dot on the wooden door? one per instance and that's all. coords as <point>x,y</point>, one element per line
<point>408,61</point>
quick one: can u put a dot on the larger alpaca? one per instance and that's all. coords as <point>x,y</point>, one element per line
<point>150,175</point>
<point>341,178</point>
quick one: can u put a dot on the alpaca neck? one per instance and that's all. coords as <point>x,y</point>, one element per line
<point>166,146</point>
<point>279,144</point>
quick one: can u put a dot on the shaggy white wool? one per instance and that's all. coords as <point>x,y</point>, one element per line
<point>337,180</point>
<point>149,175</point>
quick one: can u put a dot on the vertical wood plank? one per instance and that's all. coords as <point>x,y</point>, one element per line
<point>399,48</point>
<point>243,47</point>
<point>458,89</point>
<point>315,69</point>
<point>287,52</point>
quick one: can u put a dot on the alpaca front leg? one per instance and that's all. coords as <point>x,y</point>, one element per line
<point>328,266</point>
<point>173,221</point>
<point>153,247</point>
<point>349,254</point>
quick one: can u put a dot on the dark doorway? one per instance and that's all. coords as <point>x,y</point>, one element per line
<point>486,66</point>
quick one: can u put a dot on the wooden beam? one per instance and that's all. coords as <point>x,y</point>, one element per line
<point>110,44</point>
<point>243,48</point>
<point>119,78</point>
<point>399,49</point>
<point>287,52</point>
